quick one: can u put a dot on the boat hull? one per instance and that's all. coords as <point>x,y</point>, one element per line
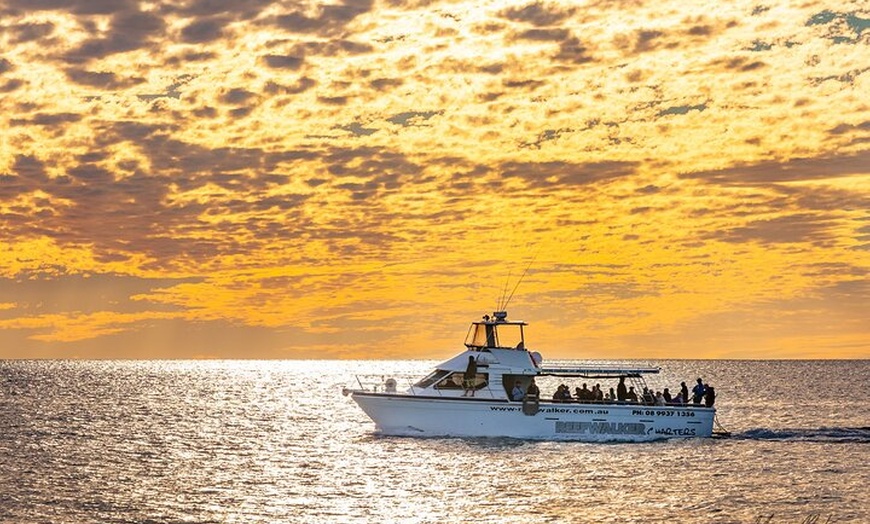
<point>408,415</point>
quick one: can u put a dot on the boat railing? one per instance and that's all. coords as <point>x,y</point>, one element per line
<point>405,385</point>
<point>595,371</point>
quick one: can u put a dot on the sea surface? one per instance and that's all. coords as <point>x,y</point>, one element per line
<point>275,441</point>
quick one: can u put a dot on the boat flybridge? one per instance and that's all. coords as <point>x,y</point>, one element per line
<point>488,390</point>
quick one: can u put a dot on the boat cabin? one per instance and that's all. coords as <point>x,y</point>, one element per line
<point>496,332</point>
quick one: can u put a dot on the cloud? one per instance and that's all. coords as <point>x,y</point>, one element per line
<point>102,79</point>
<point>283,61</point>
<point>328,20</point>
<point>794,228</point>
<point>128,31</point>
<point>539,14</point>
<point>554,174</point>
<point>205,30</point>
<point>797,169</point>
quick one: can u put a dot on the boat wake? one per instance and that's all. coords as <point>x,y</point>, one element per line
<point>824,434</point>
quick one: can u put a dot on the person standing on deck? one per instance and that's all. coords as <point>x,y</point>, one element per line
<point>621,393</point>
<point>698,392</point>
<point>470,376</point>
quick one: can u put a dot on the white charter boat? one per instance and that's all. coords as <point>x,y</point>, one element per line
<point>440,405</point>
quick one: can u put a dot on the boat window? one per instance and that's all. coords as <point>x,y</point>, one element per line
<point>454,381</point>
<point>431,378</point>
<point>490,335</point>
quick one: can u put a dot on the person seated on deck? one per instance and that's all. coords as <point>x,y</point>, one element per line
<point>709,396</point>
<point>631,396</point>
<point>563,394</point>
<point>666,394</point>
<point>660,399</point>
<point>698,392</point>
<point>678,400</point>
<point>648,397</point>
<point>518,393</point>
<point>611,396</point>
<point>599,395</point>
<point>621,393</point>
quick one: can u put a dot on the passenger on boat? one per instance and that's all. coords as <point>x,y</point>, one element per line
<point>621,394</point>
<point>660,399</point>
<point>709,396</point>
<point>470,376</point>
<point>518,393</point>
<point>698,392</point>
<point>584,395</point>
<point>533,391</point>
<point>562,394</point>
<point>666,394</point>
<point>611,396</point>
<point>684,391</point>
<point>648,397</point>
<point>678,400</point>
<point>599,395</point>
<point>631,396</point>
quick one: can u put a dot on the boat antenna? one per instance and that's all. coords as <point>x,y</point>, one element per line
<point>501,299</point>
<point>520,281</point>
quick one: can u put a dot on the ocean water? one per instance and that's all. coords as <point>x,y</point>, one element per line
<point>275,441</point>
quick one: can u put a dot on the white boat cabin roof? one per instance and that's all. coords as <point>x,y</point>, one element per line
<point>496,341</point>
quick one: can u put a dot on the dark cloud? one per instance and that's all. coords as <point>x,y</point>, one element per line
<point>555,174</point>
<point>335,48</point>
<point>11,85</point>
<point>797,228</point>
<point>6,66</point>
<point>333,100</point>
<point>544,35</point>
<point>797,169</point>
<point>302,85</point>
<point>78,7</point>
<point>22,33</point>
<point>539,14</point>
<point>330,19</point>
<point>412,118</point>
<point>572,51</point>
<point>101,79</point>
<point>206,30</point>
<point>237,96</point>
<point>738,63</point>
<point>47,119</point>
<point>128,31</point>
<point>845,128</point>
<point>208,8</point>
<point>284,61</point>
<point>647,40</point>
<point>384,84</point>
<point>130,212</point>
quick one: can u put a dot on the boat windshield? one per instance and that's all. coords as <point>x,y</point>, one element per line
<point>495,335</point>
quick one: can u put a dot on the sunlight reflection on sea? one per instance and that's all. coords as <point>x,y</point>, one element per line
<point>274,441</point>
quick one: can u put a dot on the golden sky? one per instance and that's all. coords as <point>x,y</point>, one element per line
<point>360,179</point>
